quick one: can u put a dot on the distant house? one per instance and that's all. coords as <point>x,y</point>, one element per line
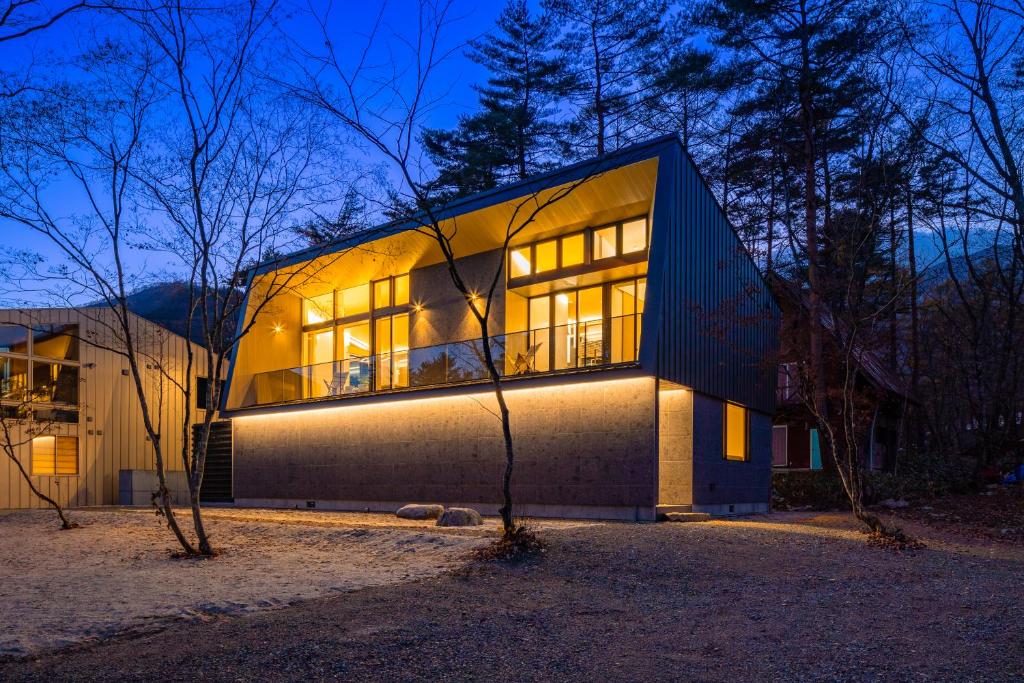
<point>796,444</point>
<point>631,326</point>
<point>68,394</point>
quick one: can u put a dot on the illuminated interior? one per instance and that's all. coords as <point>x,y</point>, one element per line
<point>736,428</point>
<point>385,316</point>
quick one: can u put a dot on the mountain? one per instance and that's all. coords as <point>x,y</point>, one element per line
<point>167,305</point>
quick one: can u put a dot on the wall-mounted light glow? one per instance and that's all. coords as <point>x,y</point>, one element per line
<point>278,328</point>
<point>418,307</point>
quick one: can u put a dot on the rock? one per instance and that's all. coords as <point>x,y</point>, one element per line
<point>460,517</point>
<point>420,511</point>
<point>894,504</point>
<point>687,516</point>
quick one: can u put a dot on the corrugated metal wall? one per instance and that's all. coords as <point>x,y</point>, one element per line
<point>717,323</point>
<point>111,433</point>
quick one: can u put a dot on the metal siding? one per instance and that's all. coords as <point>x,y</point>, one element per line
<point>711,335</point>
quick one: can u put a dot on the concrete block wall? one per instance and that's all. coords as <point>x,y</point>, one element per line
<point>675,446</point>
<point>723,486</point>
<point>583,449</point>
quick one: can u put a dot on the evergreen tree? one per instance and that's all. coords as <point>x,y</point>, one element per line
<point>614,49</point>
<point>516,133</point>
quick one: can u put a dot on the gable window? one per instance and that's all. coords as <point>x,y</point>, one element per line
<point>54,456</point>
<point>735,432</point>
<point>593,245</point>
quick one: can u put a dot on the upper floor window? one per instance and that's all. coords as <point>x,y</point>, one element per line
<point>39,372</point>
<point>579,248</point>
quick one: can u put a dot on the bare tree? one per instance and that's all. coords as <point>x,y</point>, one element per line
<point>176,149</point>
<point>387,114</point>
<point>17,430</point>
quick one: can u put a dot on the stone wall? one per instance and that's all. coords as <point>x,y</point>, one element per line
<point>591,443</point>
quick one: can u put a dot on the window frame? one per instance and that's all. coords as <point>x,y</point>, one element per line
<point>31,360</point>
<point>54,473</point>
<point>725,432</point>
<point>529,250</point>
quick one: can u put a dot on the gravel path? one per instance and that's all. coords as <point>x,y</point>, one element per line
<point>790,597</point>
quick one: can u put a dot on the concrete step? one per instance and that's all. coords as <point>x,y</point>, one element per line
<point>686,516</point>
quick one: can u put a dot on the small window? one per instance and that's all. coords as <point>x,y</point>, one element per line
<point>735,432</point>
<point>62,415</point>
<point>519,262</point>
<point>203,392</point>
<point>54,456</point>
<point>317,309</point>
<point>634,236</point>
<point>780,445</point>
<point>547,256</point>
<point>382,294</point>
<point>572,250</point>
<point>13,339</point>
<point>354,301</point>
<point>604,242</point>
<point>402,290</point>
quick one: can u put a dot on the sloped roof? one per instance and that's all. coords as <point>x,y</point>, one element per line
<point>869,363</point>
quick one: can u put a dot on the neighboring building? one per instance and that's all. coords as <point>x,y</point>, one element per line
<point>634,331</point>
<point>66,390</point>
<point>795,441</point>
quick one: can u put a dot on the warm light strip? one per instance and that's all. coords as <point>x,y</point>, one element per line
<point>313,412</point>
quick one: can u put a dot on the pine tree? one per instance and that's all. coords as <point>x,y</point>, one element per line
<point>614,49</point>
<point>516,133</point>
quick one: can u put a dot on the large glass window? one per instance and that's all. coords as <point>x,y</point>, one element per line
<point>54,383</point>
<point>59,342</point>
<point>735,432</point>
<point>13,339</point>
<point>538,351</point>
<point>391,350</point>
<point>55,455</point>
<point>13,378</point>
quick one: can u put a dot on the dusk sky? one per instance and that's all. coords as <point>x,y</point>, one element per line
<point>454,80</point>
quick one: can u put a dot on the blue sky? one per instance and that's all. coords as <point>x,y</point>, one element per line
<point>351,22</point>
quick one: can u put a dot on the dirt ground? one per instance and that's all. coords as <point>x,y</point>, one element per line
<point>793,596</point>
<point>116,573</point>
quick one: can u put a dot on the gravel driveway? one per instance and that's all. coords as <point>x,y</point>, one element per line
<point>787,597</point>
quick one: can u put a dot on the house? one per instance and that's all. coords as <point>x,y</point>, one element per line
<point>632,328</point>
<point>796,444</point>
<point>70,402</point>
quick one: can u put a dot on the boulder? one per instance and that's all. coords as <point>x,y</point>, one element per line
<point>420,511</point>
<point>460,517</point>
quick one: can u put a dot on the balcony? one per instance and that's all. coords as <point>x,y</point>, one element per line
<point>565,348</point>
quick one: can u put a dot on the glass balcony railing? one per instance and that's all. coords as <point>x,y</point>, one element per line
<point>585,344</point>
